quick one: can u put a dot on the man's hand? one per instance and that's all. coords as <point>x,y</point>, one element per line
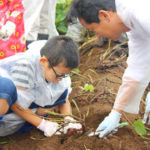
<point>7,30</point>
<point>146,118</point>
<point>71,124</point>
<point>109,123</point>
<point>48,127</point>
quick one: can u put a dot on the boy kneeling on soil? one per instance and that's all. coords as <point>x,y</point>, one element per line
<point>42,81</point>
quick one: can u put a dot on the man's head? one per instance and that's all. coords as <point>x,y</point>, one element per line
<point>58,57</point>
<point>99,16</point>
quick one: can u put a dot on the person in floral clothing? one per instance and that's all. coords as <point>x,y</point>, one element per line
<point>12,39</point>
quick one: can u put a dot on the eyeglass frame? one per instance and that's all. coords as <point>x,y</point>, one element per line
<point>59,76</point>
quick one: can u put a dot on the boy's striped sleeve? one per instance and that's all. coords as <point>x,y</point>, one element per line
<point>23,74</point>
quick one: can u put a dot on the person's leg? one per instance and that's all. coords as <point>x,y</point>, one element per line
<point>4,106</point>
<point>31,19</point>
<point>8,95</point>
<point>52,31</point>
<point>44,22</point>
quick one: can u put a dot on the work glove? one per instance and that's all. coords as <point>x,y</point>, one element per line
<point>48,127</point>
<point>109,124</point>
<point>146,118</point>
<point>71,124</point>
<point>7,30</point>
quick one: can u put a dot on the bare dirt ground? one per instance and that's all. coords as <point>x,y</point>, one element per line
<point>106,78</point>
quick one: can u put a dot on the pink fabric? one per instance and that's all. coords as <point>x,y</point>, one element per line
<point>16,42</point>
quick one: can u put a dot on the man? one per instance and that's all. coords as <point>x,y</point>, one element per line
<point>109,18</point>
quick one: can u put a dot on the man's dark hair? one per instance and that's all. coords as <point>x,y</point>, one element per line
<point>89,9</point>
<point>61,49</point>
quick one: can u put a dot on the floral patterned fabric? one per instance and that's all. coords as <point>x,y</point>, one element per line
<point>12,10</point>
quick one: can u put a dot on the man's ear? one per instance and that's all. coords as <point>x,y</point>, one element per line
<point>43,61</point>
<point>104,15</point>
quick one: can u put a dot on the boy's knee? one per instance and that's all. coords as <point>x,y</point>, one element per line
<point>8,91</point>
<point>4,106</point>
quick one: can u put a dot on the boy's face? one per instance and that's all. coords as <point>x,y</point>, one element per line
<point>51,72</point>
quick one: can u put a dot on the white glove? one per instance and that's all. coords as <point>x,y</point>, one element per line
<point>146,118</point>
<point>72,124</point>
<point>7,30</point>
<point>109,123</point>
<point>48,127</point>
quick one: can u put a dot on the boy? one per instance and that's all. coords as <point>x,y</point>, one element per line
<point>42,81</point>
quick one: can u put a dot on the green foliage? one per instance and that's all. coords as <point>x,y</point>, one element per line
<point>139,127</point>
<point>5,142</point>
<point>75,71</point>
<point>88,87</point>
<point>61,10</point>
<point>123,124</point>
<point>76,106</point>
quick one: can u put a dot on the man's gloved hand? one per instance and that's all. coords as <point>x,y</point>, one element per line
<point>48,127</point>
<point>71,124</point>
<point>7,30</point>
<point>146,118</point>
<point>109,123</point>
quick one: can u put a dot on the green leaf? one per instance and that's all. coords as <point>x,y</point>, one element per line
<point>5,142</point>
<point>91,88</point>
<point>139,127</point>
<point>88,87</point>
<point>61,1</point>
<point>76,105</point>
<point>75,71</point>
<point>54,113</point>
<point>62,29</point>
<point>87,113</point>
<point>123,124</point>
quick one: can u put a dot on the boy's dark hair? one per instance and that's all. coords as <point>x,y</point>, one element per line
<point>61,49</point>
<point>89,9</point>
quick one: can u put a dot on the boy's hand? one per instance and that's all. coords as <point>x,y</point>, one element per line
<point>71,124</point>
<point>48,127</point>
<point>109,124</point>
<point>146,118</point>
<point>7,30</point>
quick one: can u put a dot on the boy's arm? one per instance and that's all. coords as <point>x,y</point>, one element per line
<point>48,127</point>
<point>26,114</point>
<point>66,108</point>
<point>71,123</point>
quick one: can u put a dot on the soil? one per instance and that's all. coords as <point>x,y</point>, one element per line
<point>106,81</point>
